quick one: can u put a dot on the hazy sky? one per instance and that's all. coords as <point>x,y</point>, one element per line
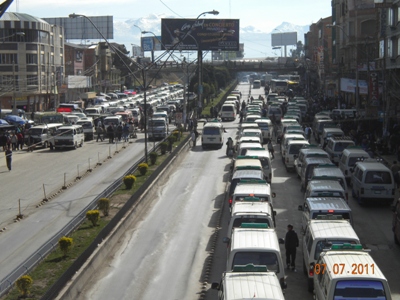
<point>262,14</point>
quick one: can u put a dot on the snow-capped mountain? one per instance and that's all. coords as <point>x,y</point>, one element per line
<point>257,43</point>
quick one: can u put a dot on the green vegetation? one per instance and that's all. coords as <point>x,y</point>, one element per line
<point>143,168</point>
<point>65,245</point>
<point>129,181</point>
<point>24,283</point>
<point>206,110</point>
<point>104,204</point>
<point>93,216</point>
<point>153,157</point>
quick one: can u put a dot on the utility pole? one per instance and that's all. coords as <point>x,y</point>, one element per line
<point>14,110</point>
<point>200,87</point>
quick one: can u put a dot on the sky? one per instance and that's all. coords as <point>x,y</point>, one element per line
<point>263,15</point>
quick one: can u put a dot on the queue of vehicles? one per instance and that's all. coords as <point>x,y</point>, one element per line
<point>334,261</point>
<point>71,126</point>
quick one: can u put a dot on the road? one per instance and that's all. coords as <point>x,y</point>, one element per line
<point>165,256</point>
<point>25,181</point>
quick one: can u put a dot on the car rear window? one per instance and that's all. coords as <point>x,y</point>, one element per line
<point>339,147</point>
<point>211,131</point>
<point>378,177</point>
<point>295,149</point>
<point>227,108</point>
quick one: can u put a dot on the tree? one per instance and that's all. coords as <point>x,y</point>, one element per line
<point>65,244</point>
<point>24,283</point>
<point>104,205</point>
<point>299,51</point>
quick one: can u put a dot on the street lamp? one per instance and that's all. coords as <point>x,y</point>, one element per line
<point>276,48</point>
<point>128,67</point>
<point>200,61</point>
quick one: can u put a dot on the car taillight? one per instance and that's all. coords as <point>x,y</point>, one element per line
<point>230,201</point>
<point>362,191</point>
<point>311,270</point>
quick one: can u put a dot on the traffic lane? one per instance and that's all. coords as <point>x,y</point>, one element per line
<point>373,225</point>
<point>42,172</point>
<point>25,237</point>
<point>168,248</point>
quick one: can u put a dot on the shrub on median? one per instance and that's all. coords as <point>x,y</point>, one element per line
<point>93,216</point>
<point>129,181</point>
<point>65,244</point>
<point>104,204</point>
<point>143,167</point>
<point>24,283</point>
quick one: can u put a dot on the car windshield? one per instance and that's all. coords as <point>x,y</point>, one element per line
<point>326,244</point>
<point>268,259</point>
<point>339,147</point>
<point>86,124</point>
<point>154,123</point>
<point>295,149</point>
<point>211,131</point>
<point>359,289</point>
<point>65,132</point>
<point>378,177</point>
<point>35,131</point>
<point>250,219</point>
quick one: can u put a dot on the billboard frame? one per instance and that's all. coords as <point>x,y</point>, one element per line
<point>284,39</point>
<point>200,34</point>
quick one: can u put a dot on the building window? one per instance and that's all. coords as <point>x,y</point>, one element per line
<point>398,46</point>
<point>8,58</point>
<point>390,17</point>
<point>390,47</point>
<point>78,71</point>
<point>31,59</point>
<point>381,49</point>
<point>31,80</point>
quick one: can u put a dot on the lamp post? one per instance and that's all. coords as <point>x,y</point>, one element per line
<point>276,48</point>
<point>128,67</point>
<point>200,62</point>
<point>357,90</point>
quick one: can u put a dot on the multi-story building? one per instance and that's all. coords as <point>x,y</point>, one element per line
<point>354,41</point>
<point>31,62</point>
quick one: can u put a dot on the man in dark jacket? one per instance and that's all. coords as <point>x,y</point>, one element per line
<point>291,243</point>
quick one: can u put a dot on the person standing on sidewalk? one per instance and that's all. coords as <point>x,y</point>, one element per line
<point>271,148</point>
<point>8,154</point>
<point>291,244</point>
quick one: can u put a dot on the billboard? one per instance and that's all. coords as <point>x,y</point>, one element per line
<point>283,39</point>
<point>151,43</point>
<point>81,29</point>
<point>200,34</point>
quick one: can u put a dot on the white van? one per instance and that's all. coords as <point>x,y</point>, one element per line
<point>228,112</point>
<point>252,244</point>
<point>350,156</point>
<point>266,127</point>
<point>265,159</point>
<point>249,282</point>
<point>320,235</point>
<point>246,163</point>
<point>324,188</point>
<point>330,172</point>
<point>212,135</point>
<point>305,152</point>
<point>157,128</point>
<point>116,120</point>
<point>246,187</point>
<point>308,166</point>
<point>285,141</point>
<point>349,273</point>
<point>244,147</point>
<point>331,132</point>
<point>372,180</point>
<point>251,211</point>
<point>336,145</point>
<point>292,150</point>
<point>315,207</point>
<point>88,127</point>
<point>43,135</point>
<point>93,111</point>
<point>69,136</point>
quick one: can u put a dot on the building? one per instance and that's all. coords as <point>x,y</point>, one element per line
<point>354,41</point>
<point>31,62</point>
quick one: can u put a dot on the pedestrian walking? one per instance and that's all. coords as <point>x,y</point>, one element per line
<point>14,141</point>
<point>119,132</point>
<point>8,154</point>
<point>229,147</point>
<point>193,138</point>
<point>271,148</point>
<point>99,131</point>
<point>125,132</point>
<point>291,243</point>
<point>110,133</point>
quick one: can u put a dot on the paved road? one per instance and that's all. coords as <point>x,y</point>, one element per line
<point>31,170</point>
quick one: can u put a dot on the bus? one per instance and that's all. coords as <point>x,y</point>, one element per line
<point>48,117</point>
<point>279,86</point>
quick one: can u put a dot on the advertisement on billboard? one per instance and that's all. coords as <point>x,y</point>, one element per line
<point>200,34</point>
<point>151,43</point>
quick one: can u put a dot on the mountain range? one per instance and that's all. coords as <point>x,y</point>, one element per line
<point>257,42</point>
